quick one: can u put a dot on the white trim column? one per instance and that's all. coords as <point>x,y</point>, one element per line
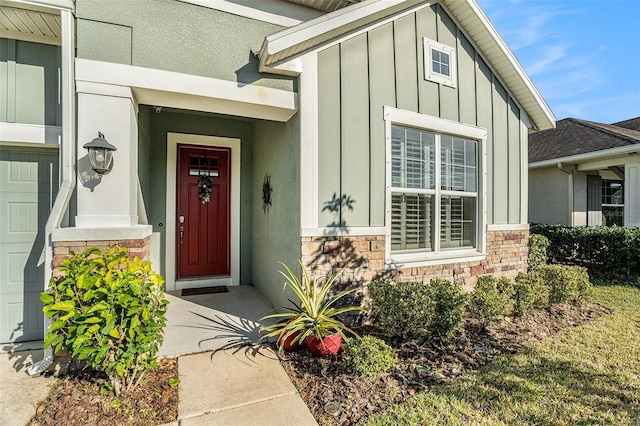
<point>110,201</point>
<point>632,194</point>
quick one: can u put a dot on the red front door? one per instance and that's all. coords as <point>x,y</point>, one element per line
<point>203,217</point>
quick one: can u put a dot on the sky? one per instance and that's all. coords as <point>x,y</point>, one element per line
<point>583,56</point>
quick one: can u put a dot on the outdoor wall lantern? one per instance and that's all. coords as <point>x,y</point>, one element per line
<point>100,154</point>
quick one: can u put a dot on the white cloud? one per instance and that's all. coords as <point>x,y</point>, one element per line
<point>551,56</point>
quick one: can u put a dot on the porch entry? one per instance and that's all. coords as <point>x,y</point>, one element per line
<point>203,226</point>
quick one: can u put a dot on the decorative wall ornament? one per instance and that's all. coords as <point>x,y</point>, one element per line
<point>266,193</point>
<point>204,188</point>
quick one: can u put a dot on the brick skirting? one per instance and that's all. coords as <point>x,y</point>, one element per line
<point>62,249</point>
<point>363,259</point>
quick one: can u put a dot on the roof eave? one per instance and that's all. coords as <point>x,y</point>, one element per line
<point>587,156</point>
<point>277,48</point>
<point>510,71</point>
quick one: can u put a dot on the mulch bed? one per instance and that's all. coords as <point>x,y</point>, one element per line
<point>77,399</point>
<point>336,396</point>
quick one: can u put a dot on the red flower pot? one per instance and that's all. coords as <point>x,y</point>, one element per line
<point>288,344</point>
<point>328,346</point>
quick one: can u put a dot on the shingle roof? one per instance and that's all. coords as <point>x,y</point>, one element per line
<point>574,137</point>
<point>633,124</point>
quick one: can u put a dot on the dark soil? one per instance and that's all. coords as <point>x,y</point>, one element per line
<point>336,396</point>
<point>76,399</point>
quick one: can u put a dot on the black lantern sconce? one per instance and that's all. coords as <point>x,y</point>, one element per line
<point>100,154</point>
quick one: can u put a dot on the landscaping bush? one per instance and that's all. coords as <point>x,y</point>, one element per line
<point>449,302</point>
<point>608,252</point>
<point>491,299</point>
<point>368,355</point>
<point>537,295</point>
<point>108,310</point>
<point>538,245</point>
<point>402,308</point>
<point>566,283</point>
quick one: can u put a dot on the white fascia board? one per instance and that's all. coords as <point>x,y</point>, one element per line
<point>30,133</point>
<point>322,24</point>
<point>245,11</point>
<point>172,89</point>
<point>586,157</point>
<point>46,4</point>
<point>476,18</point>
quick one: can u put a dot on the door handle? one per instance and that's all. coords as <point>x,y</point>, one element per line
<point>181,219</point>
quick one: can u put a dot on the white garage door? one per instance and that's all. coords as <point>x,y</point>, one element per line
<point>28,184</point>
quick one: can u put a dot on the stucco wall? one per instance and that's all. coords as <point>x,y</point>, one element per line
<point>276,230</point>
<point>155,164</point>
<point>175,36</point>
<point>549,196</point>
<point>385,67</point>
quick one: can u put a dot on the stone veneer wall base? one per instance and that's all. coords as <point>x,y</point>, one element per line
<point>363,259</point>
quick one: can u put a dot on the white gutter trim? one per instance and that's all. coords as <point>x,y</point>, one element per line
<point>512,60</point>
<point>323,24</point>
<point>586,156</point>
<point>49,4</point>
<point>245,11</point>
<point>285,39</point>
<point>68,159</point>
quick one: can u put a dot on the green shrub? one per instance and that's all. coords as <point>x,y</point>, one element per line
<point>368,355</point>
<point>491,299</point>
<point>537,251</point>
<point>566,283</point>
<point>609,252</point>
<point>449,302</point>
<point>108,310</point>
<point>530,292</point>
<point>402,308</point>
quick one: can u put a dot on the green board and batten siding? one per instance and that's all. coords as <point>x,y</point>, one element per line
<point>384,67</point>
<point>29,83</point>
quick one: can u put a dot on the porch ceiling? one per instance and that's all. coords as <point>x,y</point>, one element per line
<point>325,5</point>
<point>30,25</point>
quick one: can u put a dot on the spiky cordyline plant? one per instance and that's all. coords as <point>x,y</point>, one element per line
<point>314,314</point>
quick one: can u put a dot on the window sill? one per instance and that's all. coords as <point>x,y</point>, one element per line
<point>415,260</point>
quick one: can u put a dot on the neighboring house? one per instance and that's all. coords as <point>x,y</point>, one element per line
<point>585,173</point>
<point>390,135</point>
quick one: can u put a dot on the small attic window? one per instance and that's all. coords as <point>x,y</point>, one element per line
<point>439,63</point>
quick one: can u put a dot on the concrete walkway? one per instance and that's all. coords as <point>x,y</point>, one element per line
<point>225,377</point>
<point>20,394</point>
<point>242,386</point>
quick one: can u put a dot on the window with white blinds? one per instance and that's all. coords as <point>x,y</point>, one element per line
<point>426,216</point>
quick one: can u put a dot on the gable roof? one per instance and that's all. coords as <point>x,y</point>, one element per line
<point>573,137</point>
<point>292,42</point>
<point>633,124</point>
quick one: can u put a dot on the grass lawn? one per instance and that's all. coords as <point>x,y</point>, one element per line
<point>584,375</point>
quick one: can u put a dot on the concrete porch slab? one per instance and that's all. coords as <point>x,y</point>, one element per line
<point>211,322</point>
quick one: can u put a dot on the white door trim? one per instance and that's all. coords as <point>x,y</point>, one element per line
<point>173,139</point>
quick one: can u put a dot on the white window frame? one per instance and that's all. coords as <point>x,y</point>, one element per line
<point>394,116</point>
<point>430,45</point>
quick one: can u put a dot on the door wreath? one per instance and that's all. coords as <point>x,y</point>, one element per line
<point>204,188</point>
